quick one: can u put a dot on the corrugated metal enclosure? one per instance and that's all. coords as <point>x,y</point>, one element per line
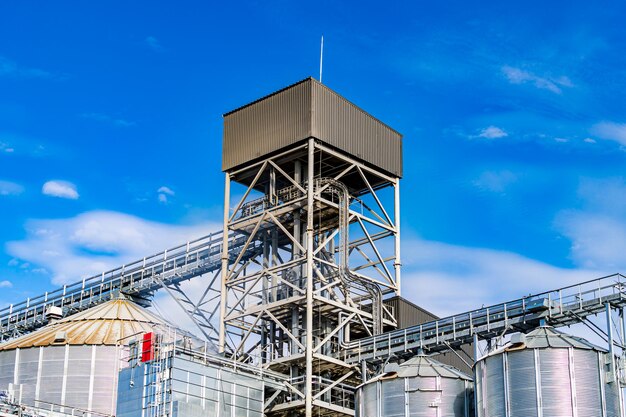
<point>181,382</point>
<point>547,373</point>
<point>303,110</point>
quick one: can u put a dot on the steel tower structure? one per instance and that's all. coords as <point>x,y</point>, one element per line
<point>319,197</point>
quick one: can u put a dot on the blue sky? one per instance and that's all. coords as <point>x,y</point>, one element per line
<point>512,114</point>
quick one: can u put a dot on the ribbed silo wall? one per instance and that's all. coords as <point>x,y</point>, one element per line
<point>414,397</point>
<point>555,382</point>
<point>82,377</point>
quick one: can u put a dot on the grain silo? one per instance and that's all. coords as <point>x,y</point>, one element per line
<point>547,373</point>
<point>420,387</point>
<point>74,362</point>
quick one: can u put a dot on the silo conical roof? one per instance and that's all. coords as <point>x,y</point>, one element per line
<point>104,324</point>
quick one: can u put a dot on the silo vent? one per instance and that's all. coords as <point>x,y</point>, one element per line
<point>60,337</point>
<point>54,313</point>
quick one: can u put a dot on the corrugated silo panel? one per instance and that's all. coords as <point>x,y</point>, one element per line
<point>105,379</point>
<point>345,126</point>
<point>27,373</point>
<point>78,376</point>
<point>369,398</point>
<point>267,125</point>
<point>587,383</point>
<point>522,383</point>
<point>393,397</point>
<point>52,374</point>
<point>494,387</point>
<point>452,397</point>
<point>7,367</point>
<point>556,390</point>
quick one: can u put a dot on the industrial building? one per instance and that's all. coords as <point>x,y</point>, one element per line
<point>302,313</point>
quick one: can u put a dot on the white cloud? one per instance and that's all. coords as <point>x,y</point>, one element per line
<point>597,230</point>
<point>495,181</point>
<point>10,188</point>
<point>6,284</point>
<point>561,140</point>
<point>492,132</point>
<point>610,131</point>
<point>589,140</point>
<point>154,44</point>
<point>96,241</point>
<point>520,76</point>
<point>101,117</point>
<point>164,192</point>
<point>448,279</point>
<point>61,189</point>
<point>13,262</point>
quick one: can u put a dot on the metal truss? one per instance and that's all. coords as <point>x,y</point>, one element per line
<point>330,252</point>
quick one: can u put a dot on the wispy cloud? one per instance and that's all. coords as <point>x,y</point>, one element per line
<point>495,181</point>
<point>597,230</point>
<point>93,242</point>
<point>10,68</point>
<point>6,284</point>
<point>105,118</point>
<point>10,188</point>
<point>61,189</point>
<point>6,148</point>
<point>520,76</point>
<point>163,193</point>
<point>589,140</point>
<point>492,132</point>
<point>610,131</point>
<point>153,43</point>
<point>448,279</point>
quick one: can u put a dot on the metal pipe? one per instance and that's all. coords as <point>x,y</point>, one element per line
<point>223,295</point>
<point>308,391</point>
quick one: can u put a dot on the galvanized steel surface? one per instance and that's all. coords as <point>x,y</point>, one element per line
<point>303,110</point>
<point>551,374</point>
<point>421,386</point>
<point>189,389</point>
<point>75,376</point>
<point>104,324</point>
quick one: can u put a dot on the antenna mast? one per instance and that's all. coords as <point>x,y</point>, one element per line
<point>321,57</point>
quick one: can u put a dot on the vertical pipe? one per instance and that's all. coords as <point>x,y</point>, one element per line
<point>223,295</point>
<point>295,252</point>
<point>609,333</point>
<point>398,263</point>
<point>308,392</point>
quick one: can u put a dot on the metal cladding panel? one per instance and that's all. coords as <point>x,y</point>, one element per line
<point>265,126</point>
<point>493,387</point>
<point>556,391</point>
<point>553,370</point>
<point>27,374</point>
<point>7,367</point>
<point>417,396</point>
<point>52,368</point>
<point>303,110</point>
<point>587,377</point>
<point>343,125</point>
<point>522,383</point>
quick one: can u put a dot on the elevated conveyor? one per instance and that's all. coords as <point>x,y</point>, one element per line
<point>139,280</point>
<point>561,307</point>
